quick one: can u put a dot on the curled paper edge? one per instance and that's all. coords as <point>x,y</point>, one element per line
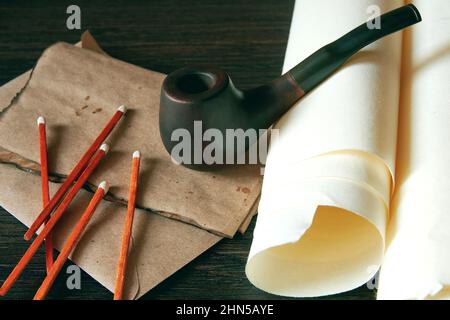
<point>280,262</point>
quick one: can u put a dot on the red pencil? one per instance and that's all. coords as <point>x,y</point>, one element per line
<point>34,246</point>
<point>75,173</point>
<point>71,241</point>
<point>44,188</point>
<point>122,265</point>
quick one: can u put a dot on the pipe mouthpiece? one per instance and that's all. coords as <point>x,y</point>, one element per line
<point>321,64</point>
<point>399,19</point>
<point>413,9</point>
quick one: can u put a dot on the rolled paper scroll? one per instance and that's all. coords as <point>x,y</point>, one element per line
<point>328,177</point>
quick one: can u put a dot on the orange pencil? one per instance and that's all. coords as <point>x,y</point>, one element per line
<point>75,173</point>
<point>44,188</point>
<point>122,266</point>
<point>34,246</point>
<point>71,241</point>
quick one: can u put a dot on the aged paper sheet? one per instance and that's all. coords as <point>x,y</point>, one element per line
<point>417,260</point>
<point>77,101</point>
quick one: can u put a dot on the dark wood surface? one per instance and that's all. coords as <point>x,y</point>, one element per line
<point>246,38</point>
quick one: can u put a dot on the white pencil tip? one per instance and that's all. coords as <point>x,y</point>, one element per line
<point>105,186</point>
<point>136,154</point>
<point>104,147</point>
<point>40,120</point>
<point>122,109</point>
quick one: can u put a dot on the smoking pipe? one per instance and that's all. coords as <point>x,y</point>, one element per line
<point>189,95</point>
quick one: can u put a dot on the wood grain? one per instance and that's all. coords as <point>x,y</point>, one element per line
<point>246,38</point>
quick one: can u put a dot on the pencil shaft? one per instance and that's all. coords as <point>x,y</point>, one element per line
<point>44,164</point>
<point>128,227</point>
<point>73,175</point>
<point>45,191</point>
<point>69,245</point>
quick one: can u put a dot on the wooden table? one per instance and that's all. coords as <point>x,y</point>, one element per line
<point>246,38</point>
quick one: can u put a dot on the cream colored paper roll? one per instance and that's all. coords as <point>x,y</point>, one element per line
<point>417,261</point>
<point>327,183</point>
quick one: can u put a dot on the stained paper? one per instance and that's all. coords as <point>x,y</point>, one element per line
<point>78,91</point>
